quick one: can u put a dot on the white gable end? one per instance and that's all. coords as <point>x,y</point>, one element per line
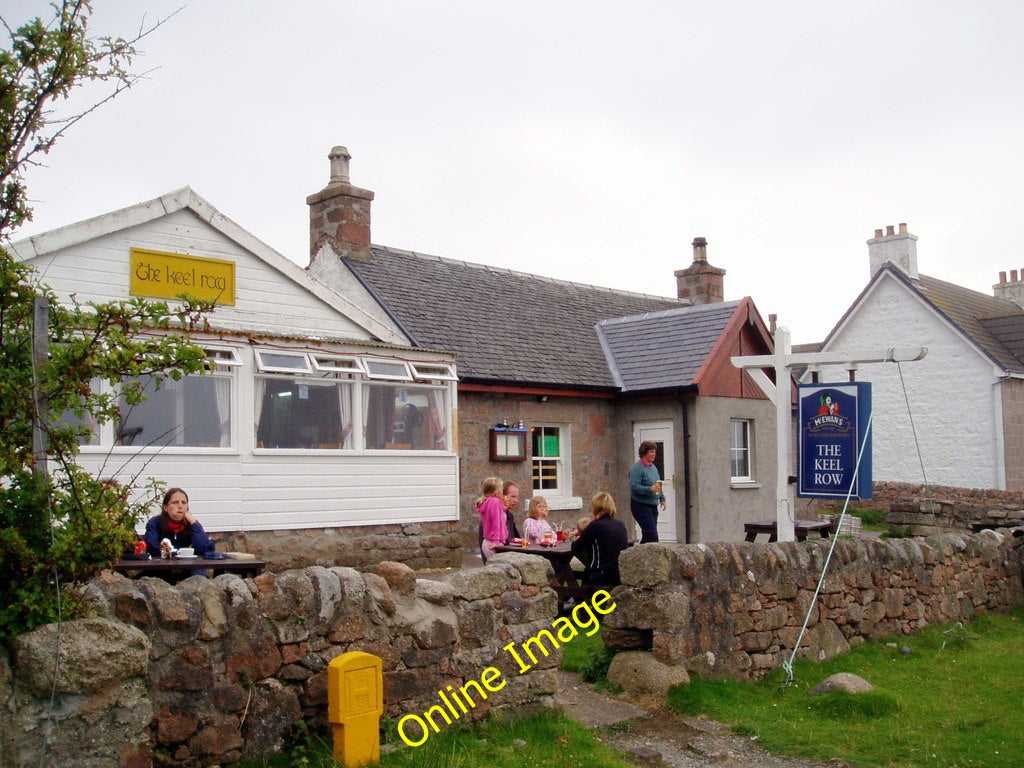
<point>92,260</point>
<point>952,417</point>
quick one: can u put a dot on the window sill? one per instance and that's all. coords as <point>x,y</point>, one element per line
<point>744,485</point>
<point>560,503</point>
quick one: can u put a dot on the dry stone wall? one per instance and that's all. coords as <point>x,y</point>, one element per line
<point>210,671</point>
<point>737,610</point>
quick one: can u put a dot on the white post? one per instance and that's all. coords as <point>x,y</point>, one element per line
<point>780,393</point>
<point>785,516</point>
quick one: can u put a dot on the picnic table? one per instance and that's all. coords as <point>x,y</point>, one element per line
<point>180,567</point>
<point>801,528</point>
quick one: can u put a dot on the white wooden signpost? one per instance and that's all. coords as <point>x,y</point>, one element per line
<point>781,362</point>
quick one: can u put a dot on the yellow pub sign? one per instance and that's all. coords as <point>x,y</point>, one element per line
<point>168,275</point>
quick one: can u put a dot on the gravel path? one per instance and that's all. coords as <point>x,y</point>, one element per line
<point>657,737</point>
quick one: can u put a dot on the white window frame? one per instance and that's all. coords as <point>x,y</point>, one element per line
<point>337,364</point>
<point>744,447</point>
<point>563,462</point>
<point>226,356</point>
<point>396,370</point>
<point>301,358</point>
<point>434,371</point>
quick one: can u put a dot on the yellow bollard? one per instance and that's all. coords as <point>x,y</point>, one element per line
<point>355,701</point>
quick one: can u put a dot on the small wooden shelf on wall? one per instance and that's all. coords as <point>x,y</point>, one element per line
<point>508,444</point>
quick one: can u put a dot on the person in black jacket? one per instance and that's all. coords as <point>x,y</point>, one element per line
<point>599,544</point>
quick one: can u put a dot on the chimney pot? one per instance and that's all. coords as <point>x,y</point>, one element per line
<point>1013,275</point>
<point>700,283</point>
<point>890,230</point>
<point>1002,277</point>
<point>339,157</point>
<point>903,228</point>
<point>878,233</point>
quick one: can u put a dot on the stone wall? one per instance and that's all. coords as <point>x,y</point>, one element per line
<point>419,545</point>
<point>737,609</point>
<point>926,510</point>
<point>211,671</point>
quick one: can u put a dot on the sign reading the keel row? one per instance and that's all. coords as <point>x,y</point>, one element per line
<point>833,422</point>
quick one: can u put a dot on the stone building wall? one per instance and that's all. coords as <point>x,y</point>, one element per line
<point>592,435</point>
<point>737,609</point>
<point>211,671</point>
<point>418,545</point>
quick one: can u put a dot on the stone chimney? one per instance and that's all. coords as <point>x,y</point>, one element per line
<point>900,248</point>
<point>700,283</point>
<point>1012,290</point>
<point>339,214</point>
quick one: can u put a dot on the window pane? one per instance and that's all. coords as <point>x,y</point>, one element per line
<point>300,413</point>
<point>194,411</point>
<point>546,445</point>
<point>740,449</point>
<point>405,417</point>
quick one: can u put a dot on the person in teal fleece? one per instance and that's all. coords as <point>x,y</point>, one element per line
<point>645,492</point>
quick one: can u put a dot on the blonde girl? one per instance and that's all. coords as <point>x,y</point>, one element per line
<point>536,525</point>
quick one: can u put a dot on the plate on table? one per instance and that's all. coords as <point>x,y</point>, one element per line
<point>186,557</point>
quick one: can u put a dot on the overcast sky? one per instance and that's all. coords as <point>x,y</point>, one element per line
<point>583,140</point>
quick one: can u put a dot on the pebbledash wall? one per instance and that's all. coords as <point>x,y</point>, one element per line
<point>214,670</point>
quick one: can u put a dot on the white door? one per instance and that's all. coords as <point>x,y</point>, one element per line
<point>660,432</point>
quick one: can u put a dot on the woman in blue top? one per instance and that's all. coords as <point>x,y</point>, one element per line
<point>645,496</point>
<point>177,524</point>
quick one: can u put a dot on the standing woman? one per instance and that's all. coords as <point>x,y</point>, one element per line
<point>177,524</point>
<point>645,492</point>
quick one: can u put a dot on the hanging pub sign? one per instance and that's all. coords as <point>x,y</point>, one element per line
<point>833,423</point>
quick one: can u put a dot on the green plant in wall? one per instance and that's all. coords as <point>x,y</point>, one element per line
<point>59,524</point>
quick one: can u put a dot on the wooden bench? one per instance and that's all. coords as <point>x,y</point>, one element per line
<point>801,528</point>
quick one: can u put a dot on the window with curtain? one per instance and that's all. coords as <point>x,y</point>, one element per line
<point>303,412</point>
<point>194,411</point>
<point>740,449</point>
<point>550,456</point>
<point>406,416</point>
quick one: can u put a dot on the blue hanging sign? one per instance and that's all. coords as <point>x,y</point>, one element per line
<point>832,424</point>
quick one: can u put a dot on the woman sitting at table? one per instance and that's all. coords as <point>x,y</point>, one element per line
<point>599,544</point>
<point>177,525</point>
<point>536,525</point>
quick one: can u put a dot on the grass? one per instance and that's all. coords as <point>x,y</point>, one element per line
<point>492,744</point>
<point>954,701</point>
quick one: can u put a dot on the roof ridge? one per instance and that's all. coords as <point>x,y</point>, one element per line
<point>661,313</point>
<point>520,273</point>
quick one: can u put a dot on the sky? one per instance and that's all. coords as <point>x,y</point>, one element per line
<point>587,140</point>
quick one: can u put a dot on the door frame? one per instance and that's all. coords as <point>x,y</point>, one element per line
<point>662,432</point>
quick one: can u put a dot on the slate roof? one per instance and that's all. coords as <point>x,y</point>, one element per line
<point>507,327</point>
<point>991,323</point>
<point>995,326</point>
<point>663,350</point>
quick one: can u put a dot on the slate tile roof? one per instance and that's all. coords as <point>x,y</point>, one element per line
<point>506,326</point>
<point>994,325</point>
<point>663,350</point>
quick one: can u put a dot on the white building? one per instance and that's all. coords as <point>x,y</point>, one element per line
<point>955,418</point>
<point>320,418</point>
